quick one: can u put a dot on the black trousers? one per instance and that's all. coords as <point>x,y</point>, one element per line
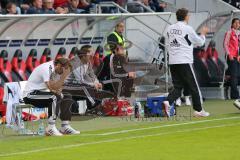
<point>94,97</point>
<point>183,76</point>
<point>54,103</point>
<point>127,87</point>
<point>186,91</point>
<point>233,68</point>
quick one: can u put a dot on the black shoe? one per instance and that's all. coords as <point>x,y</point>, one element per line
<point>97,111</point>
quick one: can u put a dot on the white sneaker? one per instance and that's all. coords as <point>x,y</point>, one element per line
<point>51,130</point>
<point>68,130</point>
<point>166,108</point>
<point>237,103</point>
<point>201,114</point>
<point>188,101</point>
<point>178,102</point>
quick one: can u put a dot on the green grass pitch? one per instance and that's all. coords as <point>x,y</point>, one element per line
<point>114,138</point>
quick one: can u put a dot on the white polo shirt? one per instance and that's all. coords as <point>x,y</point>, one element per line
<point>39,77</point>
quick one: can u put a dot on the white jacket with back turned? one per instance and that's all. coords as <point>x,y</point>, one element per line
<point>181,39</point>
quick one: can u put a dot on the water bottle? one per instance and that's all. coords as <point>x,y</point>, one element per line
<point>136,110</point>
<point>21,128</point>
<point>141,111</point>
<point>41,129</point>
<point>22,124</point>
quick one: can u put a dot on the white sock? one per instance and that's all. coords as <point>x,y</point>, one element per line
<point>166,103</point>
<point>65,123</point>
<point>51,121</point>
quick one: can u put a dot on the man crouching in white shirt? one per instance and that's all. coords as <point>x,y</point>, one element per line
<point>44,89</point>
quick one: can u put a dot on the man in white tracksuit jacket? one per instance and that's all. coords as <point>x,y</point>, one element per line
<point>181,39</point>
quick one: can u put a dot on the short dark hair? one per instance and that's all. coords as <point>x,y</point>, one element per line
<point>9,5</point>
<point>84,50</point>
<point>118,24</point>
<point>63,61</point>
<point>181,14</point>
<point>234,20</point>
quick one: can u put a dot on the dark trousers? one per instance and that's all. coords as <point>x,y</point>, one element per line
<point>233,68</point>
<point>94,97</point>
<point>186,91</point>
<point>49,100</point>
<point>183,75</point>
<point>127,87</point>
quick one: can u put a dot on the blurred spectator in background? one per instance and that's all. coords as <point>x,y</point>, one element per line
<point>85,5</point>
<point>72,7</point>
<point>235,3</point>
<point>156,6</point>
<point>21,5</point>
<point>147,4</point>
<point>0,8</point>
<point>4,5</point>
<point>11,8</point>
<point>133,7</point>
<point>36,7</point>
<point>121,2</point>
<point>59,3</point>
<point>48,7</point>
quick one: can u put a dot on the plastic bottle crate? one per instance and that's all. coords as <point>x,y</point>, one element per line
<point>155,105</point>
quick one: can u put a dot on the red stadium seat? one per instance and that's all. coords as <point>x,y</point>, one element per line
<point>203,56</point>
<point>32,61</point>
<point>46,56</point>
<point>98,57</point>
<point>61,53</point>
<point>5,76</point>
<point>18,66</point>
<point>216,66</point>
<point>73,52</point>
<point>5,67</point>
<point>2,106</point>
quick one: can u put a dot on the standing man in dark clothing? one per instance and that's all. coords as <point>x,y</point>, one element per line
<point>181,38</point>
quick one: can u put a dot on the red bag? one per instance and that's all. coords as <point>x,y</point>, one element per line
<point>113,107</point>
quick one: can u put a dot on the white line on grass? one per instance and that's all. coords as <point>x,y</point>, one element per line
<point>163,126</point>
<point>112,140</point>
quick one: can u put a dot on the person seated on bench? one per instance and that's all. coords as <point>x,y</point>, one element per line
<point>83,83</point>
<point>118,62</point>
<point>43,89</point>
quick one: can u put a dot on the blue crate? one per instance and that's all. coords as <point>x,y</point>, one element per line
<point>155,105</point>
